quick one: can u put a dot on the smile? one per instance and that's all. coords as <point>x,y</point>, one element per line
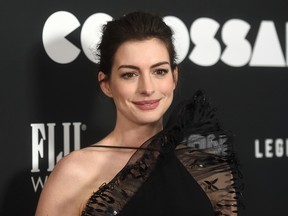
<point>147,104</point>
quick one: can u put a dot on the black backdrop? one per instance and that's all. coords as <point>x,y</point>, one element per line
<point>48,107</point>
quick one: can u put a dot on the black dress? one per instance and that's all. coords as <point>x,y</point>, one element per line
<point>188,169</point>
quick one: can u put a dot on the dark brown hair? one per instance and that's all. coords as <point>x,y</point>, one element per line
<point>133,26</point>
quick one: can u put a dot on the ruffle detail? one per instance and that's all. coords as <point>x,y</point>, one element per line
<point>206,150</point>
<point>194,135</point>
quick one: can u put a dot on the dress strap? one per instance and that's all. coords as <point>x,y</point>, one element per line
<point>125,147</point>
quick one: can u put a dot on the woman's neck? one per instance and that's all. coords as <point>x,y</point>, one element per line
<point>133,135</point>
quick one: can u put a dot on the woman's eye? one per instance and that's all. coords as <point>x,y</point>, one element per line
<point>161,72</point>
<point>128,75</point>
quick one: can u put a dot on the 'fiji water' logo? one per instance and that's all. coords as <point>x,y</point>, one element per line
<point>44,149</point>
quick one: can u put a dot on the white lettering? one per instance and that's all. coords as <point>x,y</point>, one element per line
<point>66,137</point>
<point>51,146</point>
<point>287,47</point>
<point>207,49</point>
<point>267,49</point>
<point>56,28</point>
<point>258,154</point>
<point>271,148</point>
<point>238,49</point>
<point>279,147</point>
<point>39,182</point>
<point>91,34</point>
<point>268,148</point>
<point>77,126</point>
<point>286,147</point>
<point>37,145</point>
<point>181,36</point>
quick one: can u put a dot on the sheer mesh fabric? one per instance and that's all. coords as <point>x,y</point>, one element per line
<point>198,152</point>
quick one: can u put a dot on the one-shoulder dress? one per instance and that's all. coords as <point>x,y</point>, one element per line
<point>187,169</point>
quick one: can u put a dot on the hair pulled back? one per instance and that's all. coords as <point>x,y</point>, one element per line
<point>132,27</point>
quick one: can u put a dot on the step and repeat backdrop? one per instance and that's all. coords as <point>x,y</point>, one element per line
<point>50,102</point>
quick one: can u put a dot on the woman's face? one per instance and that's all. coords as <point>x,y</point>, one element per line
<point>141,82</point>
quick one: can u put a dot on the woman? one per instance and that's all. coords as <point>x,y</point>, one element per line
<point>141,168</point>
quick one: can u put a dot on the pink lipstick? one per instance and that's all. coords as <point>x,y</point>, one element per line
<point>147,104</point>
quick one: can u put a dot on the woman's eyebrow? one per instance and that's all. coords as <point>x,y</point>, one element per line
<point>137,68</point>
<point>159,64</point>
<point>128,66</point>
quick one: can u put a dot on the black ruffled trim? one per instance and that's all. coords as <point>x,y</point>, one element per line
<point>204,148</point>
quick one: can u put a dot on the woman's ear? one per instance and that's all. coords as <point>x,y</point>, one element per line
<point>175,76</point>
<point>104,84</point>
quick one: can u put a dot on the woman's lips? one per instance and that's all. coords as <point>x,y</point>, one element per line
<point>147,104</point>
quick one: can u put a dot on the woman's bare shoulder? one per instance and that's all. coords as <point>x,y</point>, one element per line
<point>79,167</point>
<point>70,184</point>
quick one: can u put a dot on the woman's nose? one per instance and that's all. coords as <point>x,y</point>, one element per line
<point>146,85</point>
